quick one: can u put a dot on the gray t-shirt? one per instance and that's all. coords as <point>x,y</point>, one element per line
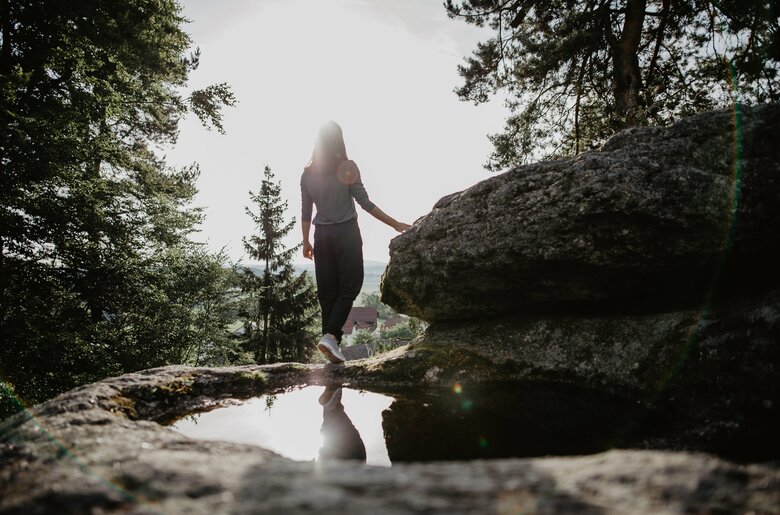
<point>333,193</point>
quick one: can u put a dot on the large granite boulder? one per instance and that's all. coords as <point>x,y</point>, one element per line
<point>657,219</point>
<point>99,449</point>
<point>648,268</point>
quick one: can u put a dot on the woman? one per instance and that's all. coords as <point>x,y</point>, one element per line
<point>332,183</point>
<point>340,439</point>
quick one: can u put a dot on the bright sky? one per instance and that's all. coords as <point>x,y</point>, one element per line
<point>384,70</point>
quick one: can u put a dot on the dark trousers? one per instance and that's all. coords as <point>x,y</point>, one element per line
<point>338,266</point>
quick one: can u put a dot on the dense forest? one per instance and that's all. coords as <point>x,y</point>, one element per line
<point>99,272</point>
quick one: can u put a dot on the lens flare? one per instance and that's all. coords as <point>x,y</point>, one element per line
<point>735,195</point>
<point>348,172</point>
<point>68,453</point>
<point>457,388</point>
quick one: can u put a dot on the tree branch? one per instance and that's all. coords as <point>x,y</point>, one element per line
<point>606,21</point>
<point>580,79</point>
<point>658,40</point>
<point>521,14</point>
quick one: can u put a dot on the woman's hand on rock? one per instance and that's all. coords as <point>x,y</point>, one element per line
<point>401,227</point>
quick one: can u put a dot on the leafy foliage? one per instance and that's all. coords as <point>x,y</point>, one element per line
<point>574,71</point>
<point>362,336</point>
<point>98,275</point>
<point>372,300</point>
<point>206,297</point>
<point>281,307</point>
<point>409,329</point>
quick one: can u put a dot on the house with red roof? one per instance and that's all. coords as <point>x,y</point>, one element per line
<point>394,321</point>
<point>360,318</point>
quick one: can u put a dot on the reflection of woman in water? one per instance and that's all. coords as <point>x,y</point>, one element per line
<point>340,439</point>
<point>332,183</point>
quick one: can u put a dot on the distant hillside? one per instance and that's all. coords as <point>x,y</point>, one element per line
<point>372,272</point>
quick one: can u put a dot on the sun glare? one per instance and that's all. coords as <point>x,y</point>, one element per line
<point>329,70</point>
<point>294,65</point>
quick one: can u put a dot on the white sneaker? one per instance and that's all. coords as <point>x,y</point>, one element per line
<point>330,347</point>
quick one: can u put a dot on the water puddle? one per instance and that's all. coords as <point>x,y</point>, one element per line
<point>497,421</point>
<point>296,425</point>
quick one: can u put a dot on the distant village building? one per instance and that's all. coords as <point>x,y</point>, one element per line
<point>360,318</point>
<point>353,352</point>
<point>394,321</point>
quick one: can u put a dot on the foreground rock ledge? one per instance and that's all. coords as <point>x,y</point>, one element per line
<point>96,449</point>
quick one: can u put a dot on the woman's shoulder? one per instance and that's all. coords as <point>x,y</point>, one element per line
<point>309,172</point>
<point>348,172</point>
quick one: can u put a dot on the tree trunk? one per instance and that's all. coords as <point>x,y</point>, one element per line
<point>271,344</point>
<point>5,27</point>
<point>266,309</point>
<point>580,78</point>
<point>264,346</point>
<point>5,68</point>
<point>260,321</point>
<point>3,304</point>
<point>659,38</point>
<point>95,289</point>
<point>627,79</point>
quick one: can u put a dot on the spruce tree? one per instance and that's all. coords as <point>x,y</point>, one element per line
<point>576,71</point>
<point>281,305</point>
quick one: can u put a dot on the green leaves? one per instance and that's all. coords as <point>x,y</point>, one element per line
<point>372,300</point>
<point>207,104</point>
<point>98,275</point>
<point>576,71</point>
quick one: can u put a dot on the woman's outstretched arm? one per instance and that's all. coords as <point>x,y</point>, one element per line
<point>389,220</point>
<point>307,206</point>
<point>349,173</point>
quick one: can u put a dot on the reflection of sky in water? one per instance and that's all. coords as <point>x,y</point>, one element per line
<point>291,427</point>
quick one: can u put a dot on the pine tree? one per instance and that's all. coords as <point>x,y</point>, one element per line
<point>575,71</point>
<point>281,306</point>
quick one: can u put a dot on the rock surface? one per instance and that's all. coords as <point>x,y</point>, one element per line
<point>647,268</point>
<point>714,374</point>
<point>96,449</point>
<point>651,222</point>
<point>611,289</point>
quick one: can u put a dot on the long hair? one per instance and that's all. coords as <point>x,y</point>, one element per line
<point>329,149</point>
